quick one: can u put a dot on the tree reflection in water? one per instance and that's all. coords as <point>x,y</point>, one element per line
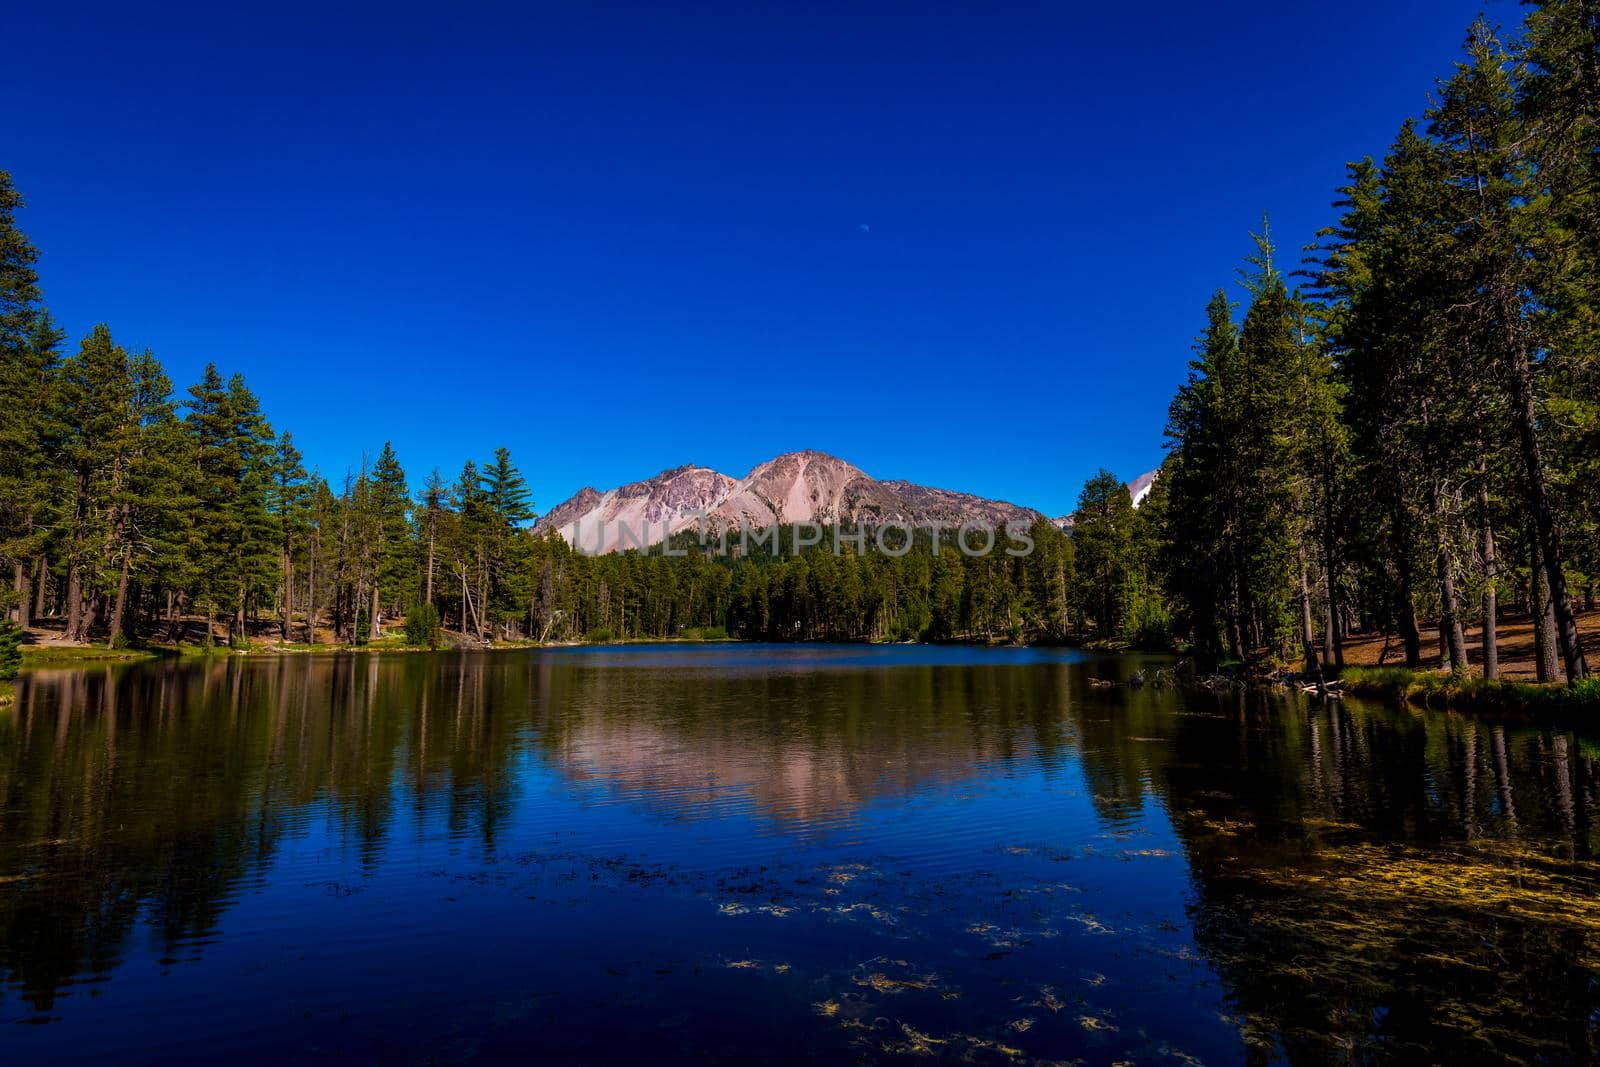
<point>1342,880</point>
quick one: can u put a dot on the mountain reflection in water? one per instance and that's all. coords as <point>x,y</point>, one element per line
<point>759,853</point>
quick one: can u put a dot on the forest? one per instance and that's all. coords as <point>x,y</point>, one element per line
<point>1401,426</point>
<point>1414,431</point>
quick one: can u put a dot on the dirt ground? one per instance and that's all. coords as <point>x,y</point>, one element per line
<point>1515,643</point>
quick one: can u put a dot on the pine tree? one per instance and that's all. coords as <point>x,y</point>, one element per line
<point>234,542</point>
<point>30,442</point>
<point>96,400</point>
<point>288,503</point>
<point>28,355</point>
<point>147,501</point>
<point>509,506</point>
<point>1499,218</point>
<point>395,556</point>
<point>10,649</point>
<point>431,507</point>
<point>1204,489</point>
<point>467,549</point>
<point>1102,542</point>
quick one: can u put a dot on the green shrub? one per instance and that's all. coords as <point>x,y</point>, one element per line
<point>598,636</point>
<point>10,649</point>
<point>1150,625</point>
<point>1472,690</point>
<point>422,626</point>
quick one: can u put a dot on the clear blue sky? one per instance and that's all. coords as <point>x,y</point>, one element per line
<point>967,245</point>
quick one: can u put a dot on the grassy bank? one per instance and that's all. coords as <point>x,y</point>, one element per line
<point>61,655</point>
<point>78,655</point>
<point>1472,692</point>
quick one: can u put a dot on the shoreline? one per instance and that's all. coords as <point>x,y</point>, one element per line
<point>1441,690</point>
<point>1431,689</point>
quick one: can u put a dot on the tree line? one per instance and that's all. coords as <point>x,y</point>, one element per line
<point>1413,431</point>
<point>132,512</point>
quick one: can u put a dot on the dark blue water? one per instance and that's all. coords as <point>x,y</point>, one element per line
<point>769,853</point>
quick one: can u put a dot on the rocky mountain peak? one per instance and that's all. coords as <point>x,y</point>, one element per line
<point>801,486</point>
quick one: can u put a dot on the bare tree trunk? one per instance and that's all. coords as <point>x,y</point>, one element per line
<point>75,622</point>
<point>1235,635</point>
<point>24,595</point>
<point>1543,521</point>
<point>287,621</point>
<point>1491,636</point>
<point>484,600</point>
<point>1406,611</point>
<point>1450,635</point>
<point>427,594</point>
<point>75,600</point>
<point>119,608</point>
<point>41,588</point>
<point>467,607</point>
<point>21,583</point>
<point>311,596</point>
<point>1308,639</point>
<point>1545,660</point>
<point>355,611</point>
<point>372,615</point>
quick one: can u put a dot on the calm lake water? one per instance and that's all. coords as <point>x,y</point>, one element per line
<point>749,854</point>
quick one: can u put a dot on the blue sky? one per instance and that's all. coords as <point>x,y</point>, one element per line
<point>967,245</point>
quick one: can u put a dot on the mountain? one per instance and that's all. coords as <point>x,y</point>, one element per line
<point>947,505</point>
<point>666,503</point>
<point>794,487</point>
<point>1139,488</point>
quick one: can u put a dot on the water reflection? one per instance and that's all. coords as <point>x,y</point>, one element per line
<point>868,852</point>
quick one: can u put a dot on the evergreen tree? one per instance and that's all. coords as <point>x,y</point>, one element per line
<point>288,502</point>
<point>395,556</point>
<point>97,395</point>
<point>30,443</point>
<point>1102,540</point>
<point>10,649</point>
<point>1499,222</point>
<point>234,542</point>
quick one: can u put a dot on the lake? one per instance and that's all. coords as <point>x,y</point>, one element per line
<point>754,854</point>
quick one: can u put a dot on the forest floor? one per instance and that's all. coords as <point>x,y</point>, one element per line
<point>1515,645</point>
